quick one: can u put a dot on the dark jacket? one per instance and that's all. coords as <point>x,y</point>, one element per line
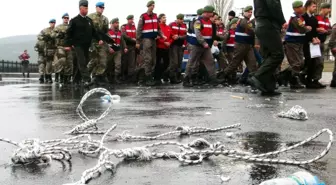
<point>80,32</point>
<point>270,10</point>
<point>310,21</point>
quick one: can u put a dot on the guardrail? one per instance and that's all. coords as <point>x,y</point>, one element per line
<point>16,67</point>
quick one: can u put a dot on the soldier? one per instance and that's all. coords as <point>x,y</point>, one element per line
<point>64,63</point>
<point>98,55</point>
<point>295,37</point>
<point>50,49</point>
<point>148,30</point>
<point>114,58</point>
<point>332,46</point>
<point>244,44</point>
<point>220,40</point>
<point>129,35</point>
<point>231,39</point>
<point>39,48</point>
<point>195,65</point>
<point>179,35</point>
<point>200,46</point>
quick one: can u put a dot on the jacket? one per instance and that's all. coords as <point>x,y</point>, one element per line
<point>166,30</point>
<point>270,11</point>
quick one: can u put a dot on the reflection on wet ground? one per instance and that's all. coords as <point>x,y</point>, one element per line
<point>30,110</point>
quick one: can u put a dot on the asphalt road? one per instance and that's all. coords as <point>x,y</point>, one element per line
<point>31,110</point>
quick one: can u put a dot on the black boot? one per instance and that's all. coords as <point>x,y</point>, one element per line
<point>214,81</point>
<point>173,79</point>
<point>333,83</point>
<point>315,84</point>
<point>186,82</point>
<point>295,83</point>
<point>41,79</point>
<point>50,79</point>
<point>117,79</point>
<point>56,77</point>
<point>61,76</point>
<point>150,81</point>
<point>24,76</point>
<point>27,75</point>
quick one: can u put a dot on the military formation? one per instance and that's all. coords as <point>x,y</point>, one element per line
<point>151,52</point>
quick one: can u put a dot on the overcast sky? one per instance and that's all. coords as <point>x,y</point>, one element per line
<point>21,17</point>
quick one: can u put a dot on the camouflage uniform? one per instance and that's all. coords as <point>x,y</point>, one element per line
<point>50,48</point>
<point>97,64</point>
<point>40,48</point>
<point>64,61</point>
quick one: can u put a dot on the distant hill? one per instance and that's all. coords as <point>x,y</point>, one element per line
<point>12,47</point>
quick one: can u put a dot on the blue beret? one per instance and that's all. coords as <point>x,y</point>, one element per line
<point>100,4</point>
<point>65,15</point>
<point>52,21</point>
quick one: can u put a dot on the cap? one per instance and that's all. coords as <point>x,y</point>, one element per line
<point>65,15</point>
<point>234,21</point>
<point>100,4</point>
<point>232,13</point>
<point>209,9</point>
<point>200,11</point>
<point>248,8</point>
<point>150,3</point>
<point>83,3</point>
<point>130,17</point>
<point>325,5</point>
<point>52,21</point>
<point>180,16</point>
<point>297,4</point>
<point>114,20</point>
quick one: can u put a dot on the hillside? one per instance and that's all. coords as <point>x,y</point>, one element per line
<point>12,47</point>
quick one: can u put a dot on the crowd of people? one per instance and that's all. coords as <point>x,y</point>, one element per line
<point>89,50</point>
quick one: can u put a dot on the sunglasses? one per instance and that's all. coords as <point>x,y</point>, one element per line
<point>101,7</point>
<point>65,17</point>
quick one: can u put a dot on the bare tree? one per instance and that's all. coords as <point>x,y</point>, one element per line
<point>222,7</point>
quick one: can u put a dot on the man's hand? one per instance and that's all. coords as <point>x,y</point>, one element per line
<point>134,39</point>
<point>125,50</point>
<point>321,30</point>
<point>316,41</point>
<point>309,28</point>
<point>164,37</point>
<point>257,46</point>
<point>175,37</point>
<point>285,26</point>
<point>67,48</point>
<point>137,46</point>
<point>111,50</point>
<point>101,42</point>
<point>215,43</point>
<point>205,45</point>
<point>167,44</point>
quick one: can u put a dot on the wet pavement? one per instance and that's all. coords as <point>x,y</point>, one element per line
<point>31,110</point>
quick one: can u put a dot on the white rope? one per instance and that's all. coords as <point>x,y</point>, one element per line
<point>92,123</point>
<point>296,112</point>
<point>192,153</point>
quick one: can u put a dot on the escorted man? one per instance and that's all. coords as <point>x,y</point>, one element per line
<point>114,58</point>
<point>129,35</point>
<point>179,35</point>
<point>24,57</point>
<point>220,39</point>
<point>64,63</point>
<point>294,40</point>
<point>50,48</point>
<point>97,64</point>
<point>231,15</point>
<point>79,35</point>
<point>147,32</point>
<point>332,46</point>
<point>270,20</point>
<point>201,44</point>
<point>244,44</point>
<point>313,66</point>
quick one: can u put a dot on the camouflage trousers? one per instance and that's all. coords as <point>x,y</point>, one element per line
<point>199,55</point>
<point>98,60</point>
<point>114,64</point>
<point>41,63</point>
<point>49,58</point>
<point>149,55</point>
<point>294,54</point>
<point>175,57</point>
<point>63,62</point>
<point>130,60</point>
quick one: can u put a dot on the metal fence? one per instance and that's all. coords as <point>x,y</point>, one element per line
<point>15,67</point>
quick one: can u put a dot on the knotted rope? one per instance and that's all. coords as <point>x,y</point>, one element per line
<point>92,123</point>
<point>296,112</point>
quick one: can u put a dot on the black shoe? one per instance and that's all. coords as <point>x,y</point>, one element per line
<point>28,75</point>
<point>174,80</point>
<point>295,83</point>
<point>333,83</point>
<point>158,82</point>
<point>257,84</point>
<point>315,85</point>
<point>24,76</point>
<point>149,81</point>
<point>57,77</point>
<point>41,79</point>
<point>303,78</point>
<point>216,82</point>
<point>50,79</point>
<point>186,82</point>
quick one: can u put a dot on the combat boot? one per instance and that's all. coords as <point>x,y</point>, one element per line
<point>215,82</point>
<point>186,82</point>
<point>333,83</point>
<point>295,83</point>
<point>315,84</point>
<point>149,81</point>
<point>27,75</point>
<point>117,79</point>
<point>57,77</point>
<point>61,76</point>
<point>50,79</point>
<point>41,79</point>
<point>24,76</point>
<point>173,80</point>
